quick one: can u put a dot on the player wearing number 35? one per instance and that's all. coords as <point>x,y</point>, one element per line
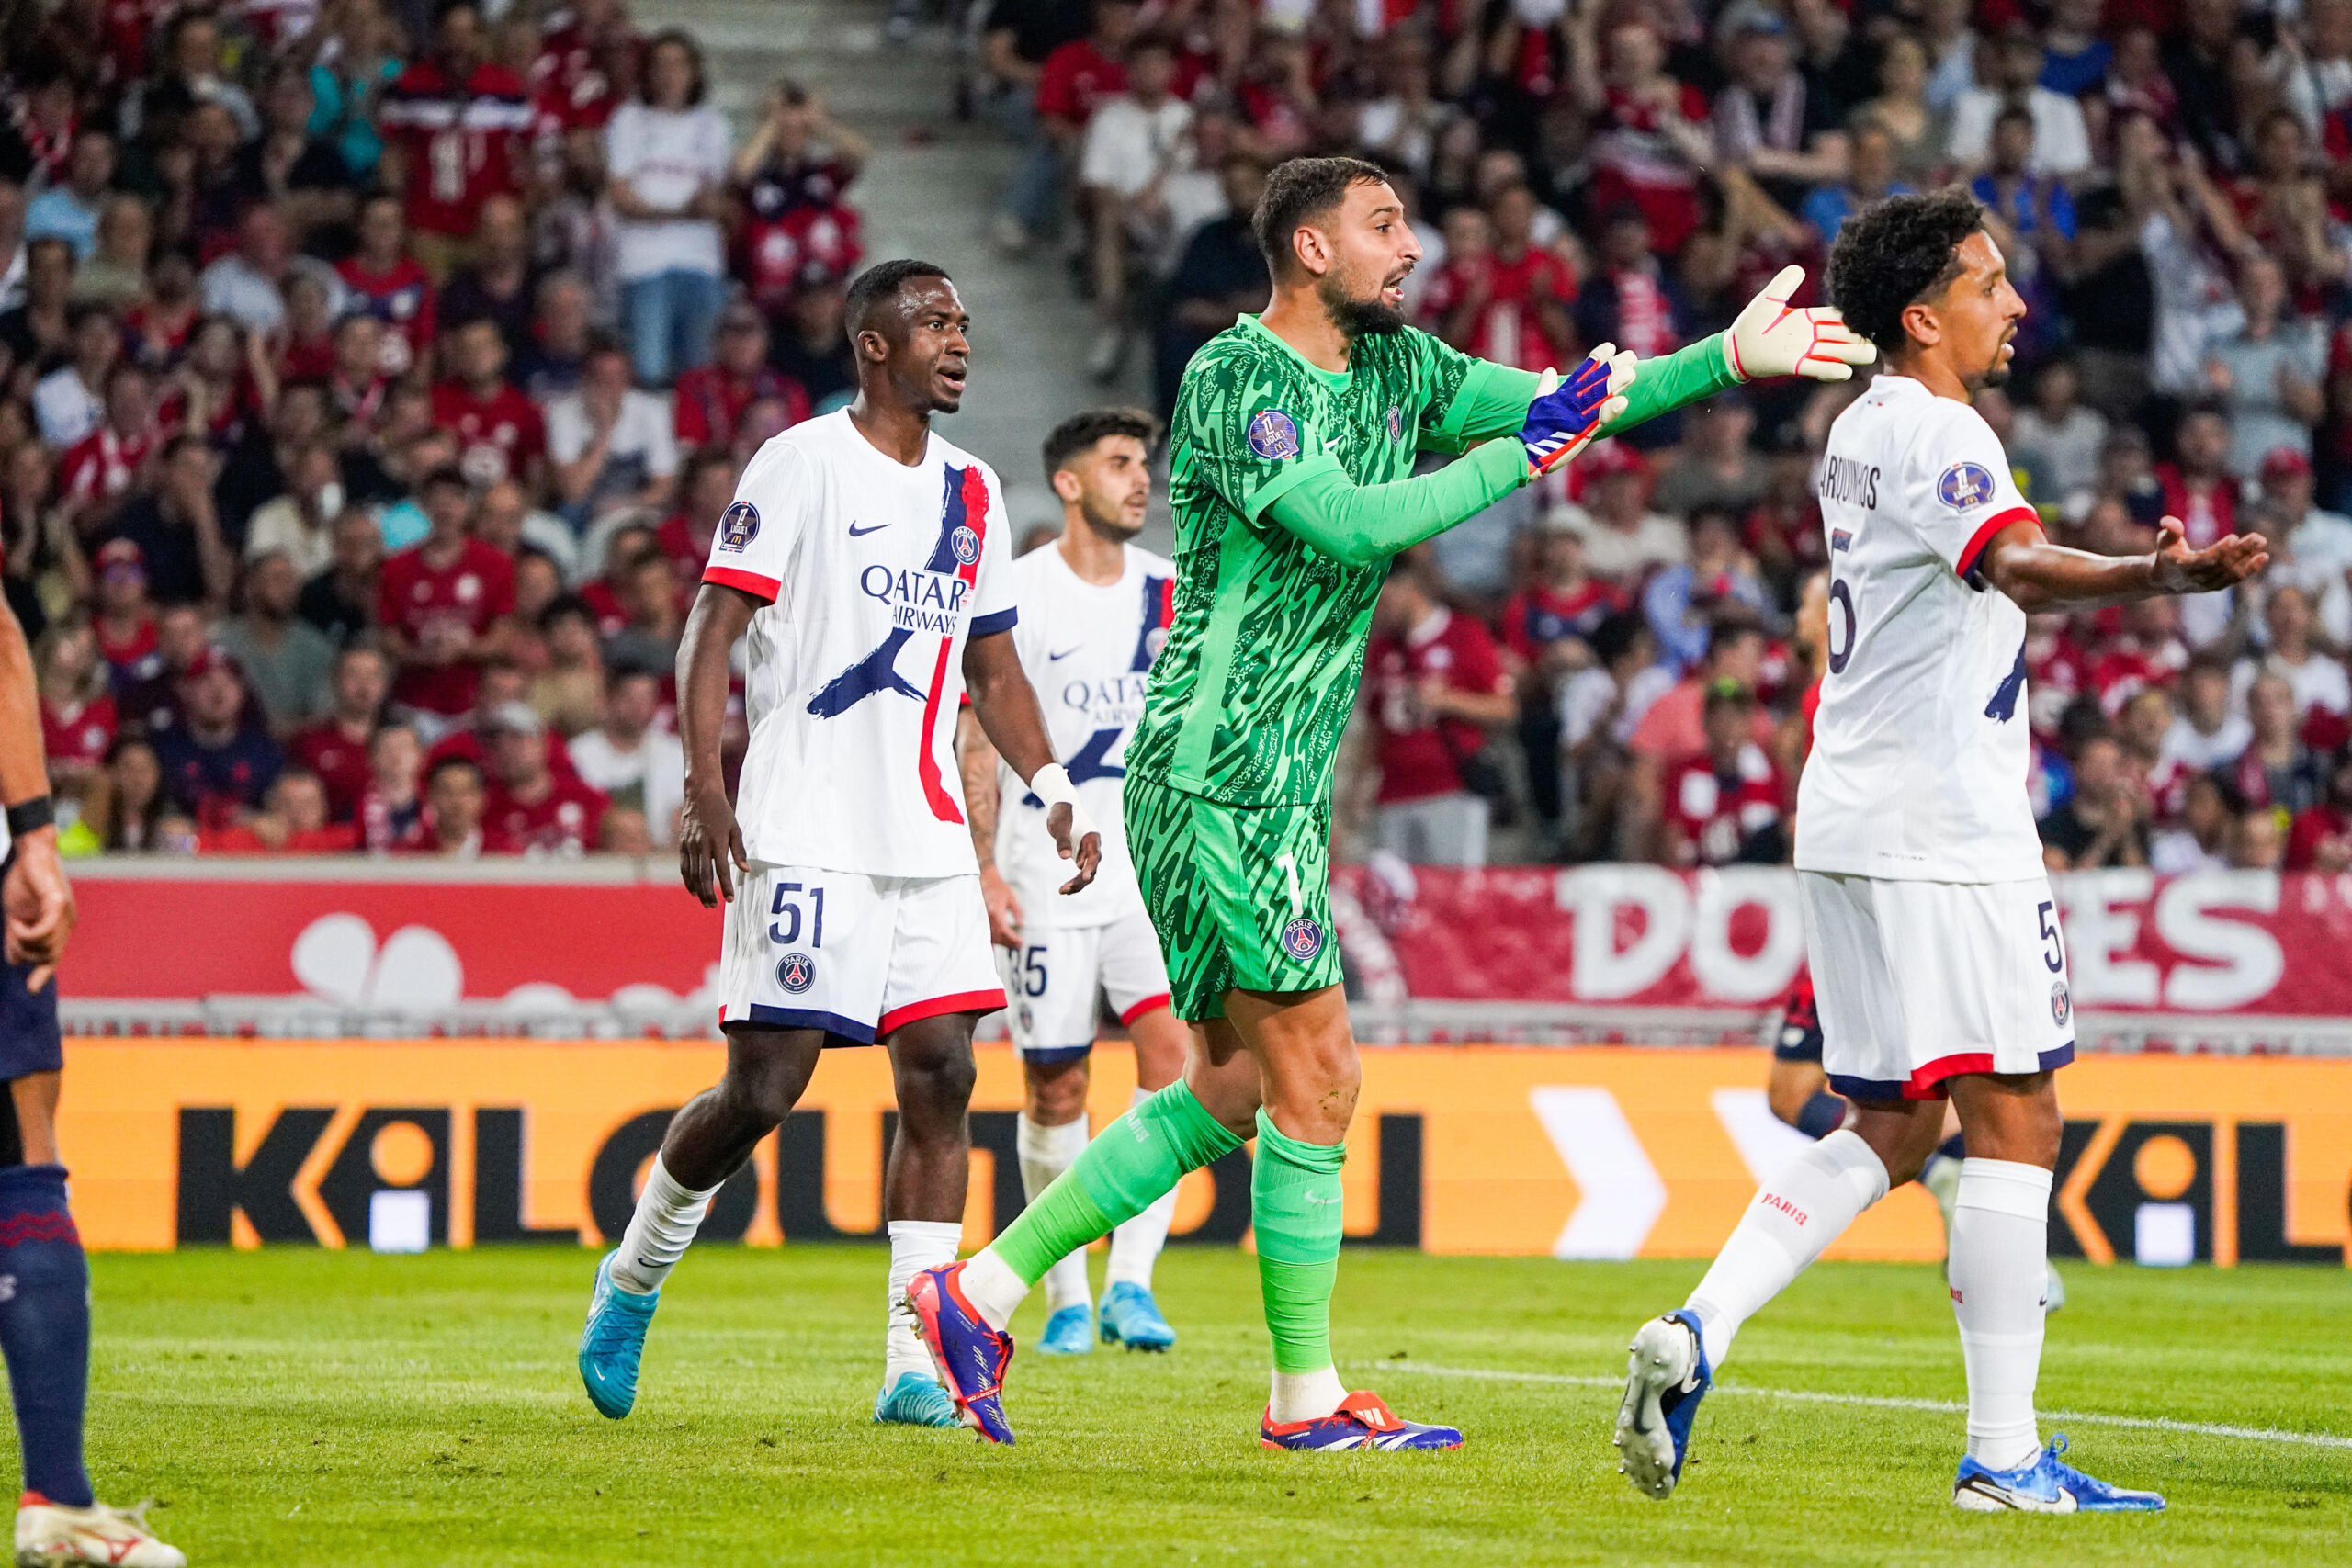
<point>1938,963</point>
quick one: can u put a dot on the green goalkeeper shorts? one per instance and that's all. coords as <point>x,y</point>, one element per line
<point>1239,894</point>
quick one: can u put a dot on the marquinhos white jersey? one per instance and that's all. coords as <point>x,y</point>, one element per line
<point>874,574</point>
<point>1086,650</point>
<point>1920,747</point>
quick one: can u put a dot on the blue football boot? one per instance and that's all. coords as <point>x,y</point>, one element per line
<point>1666,1378</point>
<point>971,1356</point>
<point>914,1399</point>
<point>1131,1317</point>
<point>1068,1332</point>
<point>1362,1421</point>
<point>2048,1485</point>
<point>613,1340</point>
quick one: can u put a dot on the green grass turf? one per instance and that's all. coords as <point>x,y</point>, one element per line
<point>304,1407</point>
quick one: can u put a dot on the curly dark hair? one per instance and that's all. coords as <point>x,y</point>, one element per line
<point>1082,431</point>
<point>1896,252</point>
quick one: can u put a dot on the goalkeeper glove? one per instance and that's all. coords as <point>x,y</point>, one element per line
<point>1565,415</point>
<point>1772,338</point>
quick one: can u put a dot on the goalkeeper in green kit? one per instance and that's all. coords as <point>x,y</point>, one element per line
<point>1293,437</point>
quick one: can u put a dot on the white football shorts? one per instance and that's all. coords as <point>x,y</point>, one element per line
<point>1918,982</point>
<point>1053,978</point>
<point>852,954</point>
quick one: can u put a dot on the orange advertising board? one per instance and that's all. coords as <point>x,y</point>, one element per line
<point>1575,1151</point>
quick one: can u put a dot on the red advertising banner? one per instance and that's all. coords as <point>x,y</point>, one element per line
<point>1455,950</point>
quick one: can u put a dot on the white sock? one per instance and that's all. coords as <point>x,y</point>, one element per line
<point>992,1288</point>
<point>659,1233</point>
<point>2000,1231</point>
<point>1807,1205</point>
<point>1304,1396</point>
<point>915,1246</point>
<point>1045,1153</point>
<point>1135,1245</point>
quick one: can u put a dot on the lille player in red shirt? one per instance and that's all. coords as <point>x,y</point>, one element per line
<point>500,433</point>
<point>442,605</point>
<point>1436,683</point>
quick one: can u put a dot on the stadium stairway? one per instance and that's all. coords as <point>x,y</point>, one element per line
<point>929,192</point>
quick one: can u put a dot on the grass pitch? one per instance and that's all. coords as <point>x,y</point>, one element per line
<point>303,1407</point>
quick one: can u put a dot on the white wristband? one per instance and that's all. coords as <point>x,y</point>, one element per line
<point>1051,784</point>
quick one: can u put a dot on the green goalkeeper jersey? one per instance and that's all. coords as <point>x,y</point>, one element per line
<point>1249,698</point>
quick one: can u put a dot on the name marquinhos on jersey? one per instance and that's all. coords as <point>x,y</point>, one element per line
<point>1856,484</point>
<point>918,600</point>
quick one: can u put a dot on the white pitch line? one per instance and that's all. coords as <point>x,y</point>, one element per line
<point>1885,1402</point>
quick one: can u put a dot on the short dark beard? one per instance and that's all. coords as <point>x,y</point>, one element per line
<point>1359,318</point>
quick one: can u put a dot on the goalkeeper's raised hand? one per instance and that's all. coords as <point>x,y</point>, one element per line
<point>1772,338</point>
<point>1566,413</point>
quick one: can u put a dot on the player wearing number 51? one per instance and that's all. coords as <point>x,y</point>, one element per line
<point>865,561</point>
<point>1939,966</point>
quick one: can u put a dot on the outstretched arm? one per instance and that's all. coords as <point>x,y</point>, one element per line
<point>1007,709</point>
<point>1362,525</point>
<point>2041,576</point>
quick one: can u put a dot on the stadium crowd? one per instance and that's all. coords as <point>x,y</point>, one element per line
<point>372,376</point>
<point>1618,661</point>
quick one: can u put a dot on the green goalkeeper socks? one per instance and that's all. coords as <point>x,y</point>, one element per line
<point>1129,1163</point>
<point>1294,1208</point>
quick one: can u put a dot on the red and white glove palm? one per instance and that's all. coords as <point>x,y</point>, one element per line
<point>1771,337</point>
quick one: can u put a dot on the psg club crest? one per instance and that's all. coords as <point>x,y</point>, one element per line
<point>1396,422</point>
<point>1273,436</point>
<point>795,971</point>
<point>1965,485</point>
<point>2062,1007</point>
<point>739,526</point>
<point>1303,939</point>
<point>966,544</point>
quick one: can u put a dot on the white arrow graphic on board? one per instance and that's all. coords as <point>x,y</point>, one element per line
<point>1622,1195</point>
<point>1765,1142</point>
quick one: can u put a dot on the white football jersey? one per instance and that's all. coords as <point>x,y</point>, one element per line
<point>1920,748</point>
<point>874,574</point>
<point>1086,650</point>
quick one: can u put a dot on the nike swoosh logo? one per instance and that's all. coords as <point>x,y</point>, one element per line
<point>1065,653</point>
<point>857,533</point>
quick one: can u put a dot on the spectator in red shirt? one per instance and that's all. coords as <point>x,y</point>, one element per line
<point>77,715</point>
<point>455,124</point>
<point>500,433</point>
<point>1547,624</point>
<point>293,820</point>
<point>706,489</point>
<point>606,595</point>
<point>531,809</point>
<point>711,399</point>
<point>2198,487</point>
<point>125,625</point>
<point>1436,686</point>
<point>1512,304</point>
<point>2321,837</point>
<point>441,606</point>
<point>336,748</point>
<point>393,287</point>
<point>97,472</point>
<point>1724,805</point>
